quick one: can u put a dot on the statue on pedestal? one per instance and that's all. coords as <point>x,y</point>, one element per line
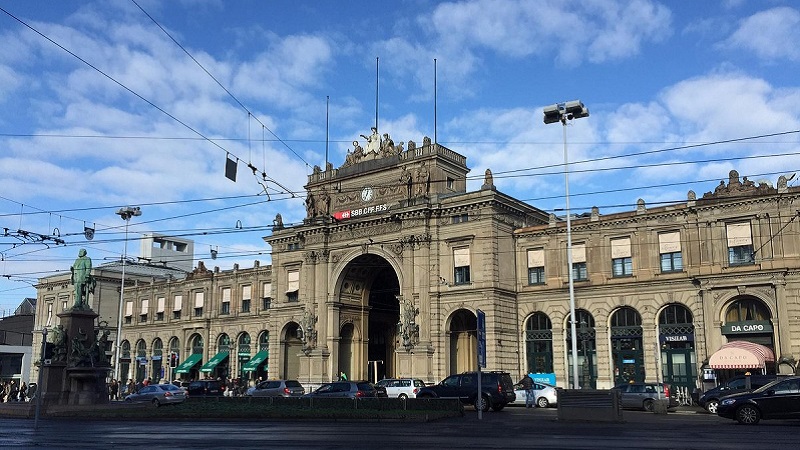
<point>81,277</point>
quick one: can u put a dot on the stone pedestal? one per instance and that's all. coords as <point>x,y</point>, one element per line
<point>77,374</point>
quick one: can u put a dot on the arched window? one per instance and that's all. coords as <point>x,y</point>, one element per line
<point>747,308</point>
<point>539,343</point>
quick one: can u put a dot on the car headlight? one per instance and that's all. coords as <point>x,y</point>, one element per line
<point>728,401</point>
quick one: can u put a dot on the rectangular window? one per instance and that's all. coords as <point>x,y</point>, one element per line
<point>160,316</point>
<point>246,297</point>
<point>266,303</point>
<point>451,183</point>
<point>740,244</point>
<point>461,263</point>
<point>536,266</point>
<point>177,307</point>
<point>198,312</point>
<point>142,318</point>
<point>293,287</point>
<point>226,301</point>
<point>128,320</point>
<point>459,218</point>
<point>145,308</point>
<point>199,298</point>
<point>579,272</point>
<point>669,247</point>
<point>266,295</point>
<point>621,259</point>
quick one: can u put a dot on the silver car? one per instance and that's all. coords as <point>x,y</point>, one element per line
<point>277,388</point>
<point>158,394</point>
<point>544,394</point>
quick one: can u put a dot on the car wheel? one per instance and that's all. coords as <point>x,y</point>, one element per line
<point>711,406</point>
<point>542,402</point>
<point>127,400</point>
<point>482,403</point>
<point>402,396</point>
<point>748,415</point>
<point>648,405</point>
<point>156,403</point>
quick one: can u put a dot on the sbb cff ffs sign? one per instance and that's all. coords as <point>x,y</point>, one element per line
<point>351,213</point>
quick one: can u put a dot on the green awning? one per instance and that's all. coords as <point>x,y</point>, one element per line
<point>188,363</point>
<point>256,361</point>
<point>218,358</point>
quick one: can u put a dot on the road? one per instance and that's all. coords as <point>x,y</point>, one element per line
<point>514,427</point>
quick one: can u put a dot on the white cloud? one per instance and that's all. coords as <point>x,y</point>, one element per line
<point>772,34</point>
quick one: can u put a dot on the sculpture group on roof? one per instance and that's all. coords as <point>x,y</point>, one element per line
<point>376,147</point>
<point>736,187</point>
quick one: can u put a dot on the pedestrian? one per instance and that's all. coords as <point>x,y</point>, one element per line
<point>13,391</point>
<point>342,376</point>
<point>131,387</point>
<point>3,391</point>
<point>113,390</point>
<point>527,384</point>
<point>23,393</point>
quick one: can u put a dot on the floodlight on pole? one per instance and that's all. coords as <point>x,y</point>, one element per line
<point>126,213</point>
<point>565,112</point>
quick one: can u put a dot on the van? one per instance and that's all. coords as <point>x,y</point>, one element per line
<point>710,398</point>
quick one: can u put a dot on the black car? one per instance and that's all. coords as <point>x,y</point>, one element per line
<point>497,389</point>
<point>205,388</point>
<point>777,400</point>
<point>348,389</point>
<point>710,398</point>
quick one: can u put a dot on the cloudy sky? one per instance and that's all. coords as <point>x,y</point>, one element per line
<point>120,103</point>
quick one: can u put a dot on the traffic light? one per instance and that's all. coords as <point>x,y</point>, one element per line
<point>173,360</point>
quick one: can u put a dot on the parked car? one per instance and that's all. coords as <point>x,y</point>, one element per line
<point>544,394</point>
<point>348,389</point>
<point>777,400</point>
<point>158,394</point>
<point>401,387</point>
<point>497,389</point>
<point>205,388</point>
<point>645,395</point>
<point>380,391</point>
<point>710,398</point>
<point>277,388</point>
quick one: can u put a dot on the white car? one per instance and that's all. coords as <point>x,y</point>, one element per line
<point>544,394</point>
<point>401,387</point>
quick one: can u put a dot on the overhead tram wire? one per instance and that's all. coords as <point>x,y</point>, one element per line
<point>141,97</point>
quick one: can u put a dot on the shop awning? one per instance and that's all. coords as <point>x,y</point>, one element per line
<point>212,363</point>
<point>188,363</point>
<point>741,355</point>
<point>256,361</point>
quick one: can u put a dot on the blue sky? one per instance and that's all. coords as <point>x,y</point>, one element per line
<point>679,92</point>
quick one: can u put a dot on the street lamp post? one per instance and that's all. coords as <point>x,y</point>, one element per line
<point>564,112</point>
<point>126,214</point>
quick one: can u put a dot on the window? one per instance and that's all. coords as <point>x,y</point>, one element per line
<point>293,246</point>
<point>621,260</point>
<point>177,307</point>
<point>536,266</point>
<point>225,307</point>
<point>293,287</point>
<point>145,308</point>
<point>461,262</point>
<point>161,304</point>
<point>459,218</point>
<point>199,298</point>
<point>266,295</point>
<point>669,247</point>
<point>128,312</point>
<point>740,244</point>
<point>246,297</point>
<point>579,272</point>
<point>451,183</point>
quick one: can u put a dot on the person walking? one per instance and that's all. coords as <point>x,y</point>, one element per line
<point>527,384</point>
<point>23,393</point>
<point>113,390</point>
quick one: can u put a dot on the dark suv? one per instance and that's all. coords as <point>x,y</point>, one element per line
<point>205,388</point>
<point>497,389</point>
<point>710,398</point>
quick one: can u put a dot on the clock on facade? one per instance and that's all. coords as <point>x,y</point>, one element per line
<point>367,194</point>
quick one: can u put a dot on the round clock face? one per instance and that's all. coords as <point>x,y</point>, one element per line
<point>367,194</point>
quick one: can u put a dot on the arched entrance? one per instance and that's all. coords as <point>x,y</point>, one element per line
<point>587,350</point>
<point>627,347</point>
<point>678,360</point>
<point>368,296</point>
<point>539,343</point>
<point>747,318</point>
<point>463,342</point>
<point>292,348</point>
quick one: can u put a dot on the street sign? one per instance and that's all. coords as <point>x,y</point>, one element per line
<point>481,339</point>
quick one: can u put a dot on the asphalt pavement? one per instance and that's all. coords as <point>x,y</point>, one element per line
<point>514,427</point>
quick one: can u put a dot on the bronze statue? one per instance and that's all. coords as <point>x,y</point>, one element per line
<point>81,277</point>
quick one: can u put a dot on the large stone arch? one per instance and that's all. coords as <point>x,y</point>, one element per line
<point>291,349</point>
<point>366,295</point>
<point>462,331</point>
